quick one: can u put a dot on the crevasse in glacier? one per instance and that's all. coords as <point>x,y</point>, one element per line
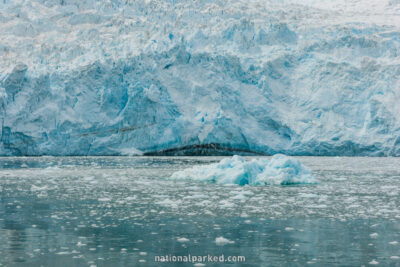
<point>117,77</point>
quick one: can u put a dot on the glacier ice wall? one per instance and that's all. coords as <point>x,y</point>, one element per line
<point>117,77</point>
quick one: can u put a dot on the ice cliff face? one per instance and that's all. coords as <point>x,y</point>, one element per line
<point>179,77</point>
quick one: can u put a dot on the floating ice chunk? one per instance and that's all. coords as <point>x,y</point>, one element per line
<point>220,241</point>
<point>38,188</point>
<point>285,170</point>
<point>374,235</point>
<point>104,199</point>
<point>168,203</point>
<point>279,170</point>
<point>80,244</point>
<point>182,240</point>
<point>63,253</point>
<point>373,262</point>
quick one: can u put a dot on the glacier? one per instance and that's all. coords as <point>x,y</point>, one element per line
<point>180,77</point>
<point>279,170</point>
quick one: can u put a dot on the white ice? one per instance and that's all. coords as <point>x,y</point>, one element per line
<point>279,170</point>
<point>128,77</point>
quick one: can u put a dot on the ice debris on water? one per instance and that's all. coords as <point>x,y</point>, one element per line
<point>374,235</point>
<point>279,170</point>
<point>220,241</point>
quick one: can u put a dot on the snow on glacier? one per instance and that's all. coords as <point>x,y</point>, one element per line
<point>117,77</point>
<point>279,170</point>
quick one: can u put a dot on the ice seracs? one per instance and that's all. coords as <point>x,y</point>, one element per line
<point>279,170</point>
<point>128,77</point>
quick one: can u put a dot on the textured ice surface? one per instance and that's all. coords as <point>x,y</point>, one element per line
<point>130,77</point>
<point>279,170</point>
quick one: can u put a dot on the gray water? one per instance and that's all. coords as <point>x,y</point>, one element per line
<point>124,211</point>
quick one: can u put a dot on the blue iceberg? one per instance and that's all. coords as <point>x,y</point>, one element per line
<point>279,170</point>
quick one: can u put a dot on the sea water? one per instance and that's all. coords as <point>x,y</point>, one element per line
<point>126,211</point>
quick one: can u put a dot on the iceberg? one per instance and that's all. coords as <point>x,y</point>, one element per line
<point>279,170</point>
<point>181,77</point>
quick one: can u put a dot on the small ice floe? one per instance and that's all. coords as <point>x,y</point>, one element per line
<point>307,195</point>
<point>373,262</point>
<point>183,240</point>
<point>374,235</point>
<point>279,170</point>
<point>35,188</point>
<point>288,229</point>
<point>220,241</point>
<point>63,253</point>
<point>169,203</point>
<point>394,257</point>
<point>393,243</point>
<point>225,204</point>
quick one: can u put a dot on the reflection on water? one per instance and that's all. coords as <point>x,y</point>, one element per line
<point>112,211</point>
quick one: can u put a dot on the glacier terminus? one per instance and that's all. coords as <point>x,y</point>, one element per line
<point>118,77</point>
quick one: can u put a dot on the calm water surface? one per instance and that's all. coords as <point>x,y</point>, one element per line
<point>124,211</point>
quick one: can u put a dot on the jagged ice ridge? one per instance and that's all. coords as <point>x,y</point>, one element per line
<point>186,77</point>
<point>279,170</point>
